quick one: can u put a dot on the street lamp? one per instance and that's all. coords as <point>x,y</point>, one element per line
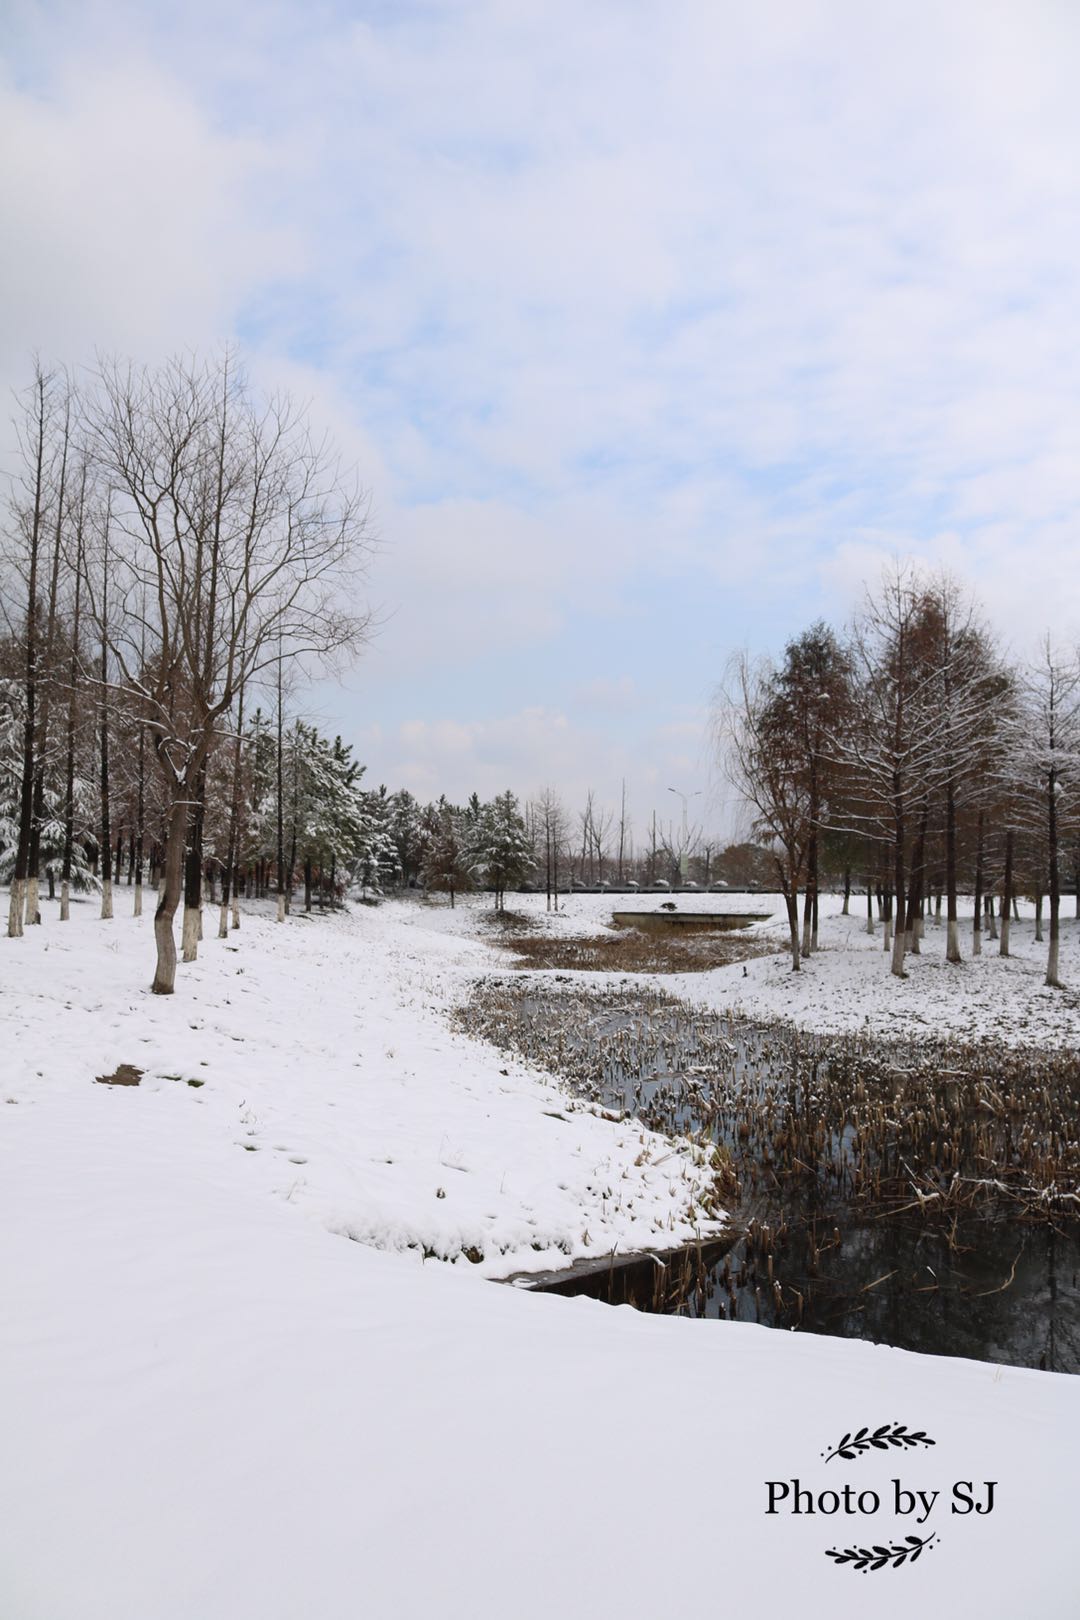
<point>684,858</point>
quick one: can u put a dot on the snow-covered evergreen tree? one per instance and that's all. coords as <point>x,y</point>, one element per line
<point>503,846</point>
<point>51,827</point>
<point>376,865</point>
<point>409,834</point>
<point>449,864</point>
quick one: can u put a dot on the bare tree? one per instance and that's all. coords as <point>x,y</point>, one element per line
<point>29,512</point>
<point>762,759</point>
<point>624,830</point>
<point>1046,758</point>
<point>891,750</point>
<point>550,839</point>
<point>971,696</point>
<point>242,537</point>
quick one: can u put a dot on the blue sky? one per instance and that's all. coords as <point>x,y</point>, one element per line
<point>653,330</point>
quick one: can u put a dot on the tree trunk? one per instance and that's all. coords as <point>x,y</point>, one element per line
<point>165,976</point>
<point>808,898</point>
<point>869,907</point>
<point>913,931</point>
<point>952,945</point>
<point>1052,975</point>
<point>846,908</point>
<point>898,882</point>
<point>106,833</point>
<point>192,931</point>
<point>26,785</point>
<point>976,925</point>
<point>791,901</point>
<point>1007,903</point>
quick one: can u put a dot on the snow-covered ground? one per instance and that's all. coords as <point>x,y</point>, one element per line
<point>216,1407</point>
<point>318,1056</point>
<point>847,986</point>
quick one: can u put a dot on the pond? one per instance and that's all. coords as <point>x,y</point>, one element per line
<point>664,919</point>
<point>923,1195</point>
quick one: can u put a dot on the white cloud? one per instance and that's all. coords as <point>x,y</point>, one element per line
<point>602,299</point>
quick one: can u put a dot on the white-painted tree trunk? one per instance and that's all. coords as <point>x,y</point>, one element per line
<point>952,944</point>
<point>106,898</point>
<point>15,909</point>
<point>189,935</point>
<point>1052,963</point>
<point>281,908</point>
<point>138,899</point>
<point>1006,923</point>
<point>887,945</point>
<point>33,903</point>
<point>235,913</point>
<point>223,922</point>
<point>65,901</point>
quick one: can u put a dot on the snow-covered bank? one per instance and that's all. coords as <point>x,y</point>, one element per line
<point>217,1409</point>
<point>847,987</point>
<point>319,1056</point>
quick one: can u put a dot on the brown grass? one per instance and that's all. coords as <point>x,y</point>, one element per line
<point>631,951</point>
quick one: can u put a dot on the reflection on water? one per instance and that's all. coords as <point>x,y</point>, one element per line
<point>995,1289</point>
<point>828,1141</point>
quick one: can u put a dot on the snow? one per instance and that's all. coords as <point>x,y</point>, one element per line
<point>320,1055</point>
<point>218,1407</point>
<point>847,986</point>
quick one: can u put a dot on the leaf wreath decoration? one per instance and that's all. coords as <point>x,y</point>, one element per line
<point>866,1558</point>
<point>895,1434</point>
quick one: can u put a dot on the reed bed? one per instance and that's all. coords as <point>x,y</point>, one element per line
<point>924,1127</point>
<point>632,951</point>
<point>920,1193</point>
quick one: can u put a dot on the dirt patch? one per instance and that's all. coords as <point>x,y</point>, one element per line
<point>634,952</point>
<point>126,1075</point>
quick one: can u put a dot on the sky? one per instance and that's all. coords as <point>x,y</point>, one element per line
<point>654,330</point>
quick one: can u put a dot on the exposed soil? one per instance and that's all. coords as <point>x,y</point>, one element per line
<point>126,1075</point>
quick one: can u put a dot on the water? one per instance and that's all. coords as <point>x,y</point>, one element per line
<point>826,1149</point>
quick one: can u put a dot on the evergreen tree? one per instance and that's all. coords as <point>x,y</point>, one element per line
<point>503,846</point>
<point>376,865</point>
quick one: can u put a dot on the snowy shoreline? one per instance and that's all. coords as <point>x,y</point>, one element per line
<point>846,987</point>
<point>215,1407</point>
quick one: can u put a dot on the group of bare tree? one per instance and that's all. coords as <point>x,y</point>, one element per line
<point>596,847</point>
<point>175,544</point>
<point>911,753</point>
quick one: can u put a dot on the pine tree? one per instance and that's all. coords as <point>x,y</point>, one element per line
<point>449,864</point>
<point>503,846</point>
<point>376,862</point>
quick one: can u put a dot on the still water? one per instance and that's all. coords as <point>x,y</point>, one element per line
<point>824,1143</point>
